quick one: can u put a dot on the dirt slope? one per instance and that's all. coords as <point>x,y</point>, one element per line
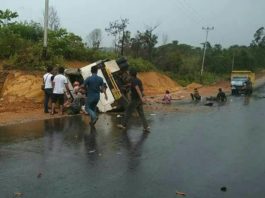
<point>75,64</point>
<point>21,90</point>
<point>156,83</point>
<point>21,86</point>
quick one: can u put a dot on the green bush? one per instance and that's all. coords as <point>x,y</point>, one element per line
<point>31,59</point>
<point>140,64</point>
<point>95,55</point>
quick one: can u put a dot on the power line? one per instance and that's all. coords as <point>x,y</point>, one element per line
<point>187,12</point>
<point>194,11</point>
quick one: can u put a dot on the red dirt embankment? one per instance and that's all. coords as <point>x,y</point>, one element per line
<point>22,98</point>
<point>156,83</point>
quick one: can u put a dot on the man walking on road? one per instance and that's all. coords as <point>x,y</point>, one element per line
<point>60,82</point>
<point>47,81</point>
<point>136,103</point>
<point>94,85</point>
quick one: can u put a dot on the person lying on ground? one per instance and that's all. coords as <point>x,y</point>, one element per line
<point>195,96</point>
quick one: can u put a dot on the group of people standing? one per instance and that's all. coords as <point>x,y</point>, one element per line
<point>56,86</point>
<point>54,89</point>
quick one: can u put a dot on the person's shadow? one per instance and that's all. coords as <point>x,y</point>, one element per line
<point>134,149</point>
<point>90,142</point>
<point>246,100</point>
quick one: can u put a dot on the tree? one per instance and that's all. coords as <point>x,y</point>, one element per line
<point>54,20</point>
<point>118,30</point>
<point>28,30</point>
<point>149,40</point>
<point>6,16</point>
<point>94,38</point>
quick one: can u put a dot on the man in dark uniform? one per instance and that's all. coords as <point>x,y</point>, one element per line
<point>136,102</point>
<point>248,87</point>
<point>221,97</point>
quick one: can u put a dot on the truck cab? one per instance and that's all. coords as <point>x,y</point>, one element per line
<point>242,82</point>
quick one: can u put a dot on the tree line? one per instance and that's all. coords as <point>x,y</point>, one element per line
<point>21,47</point>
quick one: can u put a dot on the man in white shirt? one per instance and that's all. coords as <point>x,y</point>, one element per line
<point>47,81</point>
<point>60,82</point>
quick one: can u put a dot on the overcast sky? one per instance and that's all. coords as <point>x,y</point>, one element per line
<point>234,21</point>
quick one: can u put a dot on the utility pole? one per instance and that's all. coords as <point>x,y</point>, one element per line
<point>233,61</point>
<point>45,37</point>
<point>204,51</point>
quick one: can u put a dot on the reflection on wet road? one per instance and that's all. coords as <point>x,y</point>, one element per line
<point>196,152</point>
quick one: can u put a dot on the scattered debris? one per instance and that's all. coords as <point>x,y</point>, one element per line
<point>92,151</point>
<point>152,114</point>
<point>18,194</point>
<point>119,153</point>
<point>39,175</point>
<point>119,116</point>
<point>209,104</point>
<point>224,189</point>
<point>181,193</point>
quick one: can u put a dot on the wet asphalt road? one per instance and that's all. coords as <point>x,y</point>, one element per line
<point>194,152</point>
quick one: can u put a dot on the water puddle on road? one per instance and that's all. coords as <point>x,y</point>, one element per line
<point>193,149</point>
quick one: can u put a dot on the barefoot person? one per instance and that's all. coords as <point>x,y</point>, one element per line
<point>60,82</point>
<point>136,102</point>
<point>94,85</point>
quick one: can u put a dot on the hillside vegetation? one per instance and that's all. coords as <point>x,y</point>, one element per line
<point>21,46</point>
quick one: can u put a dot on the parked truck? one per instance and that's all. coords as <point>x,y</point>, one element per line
<point>242,82</point>
<point>115,77</point>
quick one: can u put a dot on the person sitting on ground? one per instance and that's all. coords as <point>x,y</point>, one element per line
<point>167,98</point>
<point>78,102</point>
<point>76,87</point>
<point>195,96</point>
<point>221,97</point>
<point>68,103</point>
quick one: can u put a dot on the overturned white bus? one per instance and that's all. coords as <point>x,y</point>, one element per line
<point>115,76</point>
